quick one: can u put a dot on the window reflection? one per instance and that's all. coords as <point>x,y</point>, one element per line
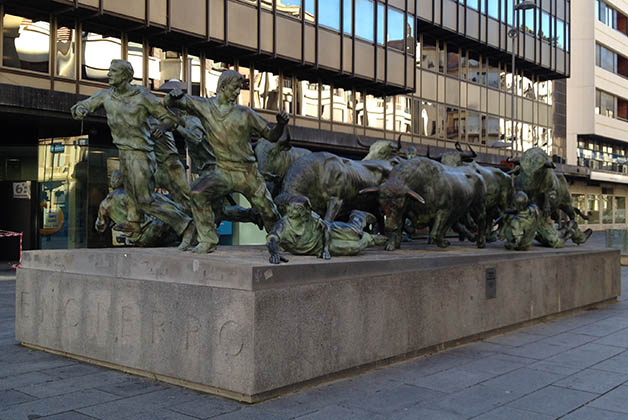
<point>266,90</point>
<point>343,105</point>
<point>326,102</point>
<point>213,70</point>
<point>473,127</point>
<point>429,116</point>
<point>620,209</point>
<point>403,114</point>
<point>98,51</point>
<point>453,123</point>
<point>289,7</point>
<point>307,100</point>
<point>163,66</point>
<point>329,13</point>
<point>136,58</point>
<point>492,130</point>
<point>364,19</point>
<point>26,43</point>
<point>429,53</point>
<point>66,52</point>
<point>287,95</point>
<point>389,112</point>
<point>397,31</point>
<point>374,112</point>
<point>453,60</point>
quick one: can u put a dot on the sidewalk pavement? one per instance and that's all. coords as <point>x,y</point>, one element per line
<point>572,368</point>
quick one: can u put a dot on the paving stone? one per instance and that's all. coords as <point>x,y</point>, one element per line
<point>618,363</point>
<point>586,355</point>
<point>254,413</point>
<point>509,413</point>
<point>24,379</point>
<point>68,415</point>
<point>11,397</point>
<point>615,400</point>
<point>473,401</point>
<point>569,339</point>
<point>11,369</point>
<point>425,413</point>
<point>393,399</point>
<point>127,407</point>
<point>593,380</point>
<point>53,405</point>
<point>619,338</point>
<point>515,339</point>
<point>546,366</point>
<point>537,350</point>
<point>497,365</point>
<point>160,414</point>
<point>337,412</point>
<point>65,386</point>
<point>429,365</point>
<point>206,406</point>
<point>523,381</point>
<point>591,413</point>
<point>132,386</point>
<point>553,400</point>
<point>603,328</point>
<point>451,380</point>
<point>73,371</point>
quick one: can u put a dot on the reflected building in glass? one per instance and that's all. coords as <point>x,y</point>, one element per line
<point>434,72</point>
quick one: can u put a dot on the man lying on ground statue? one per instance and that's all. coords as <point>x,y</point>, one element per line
<point>128,108</point>
<point>521,225</point>
<point>229,128</point>
<point>114,209</point>
<point>302,232</point>
<point>203,164</point>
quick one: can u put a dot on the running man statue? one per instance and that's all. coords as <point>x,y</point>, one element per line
<point>128,108</point>
<point>229,128</point>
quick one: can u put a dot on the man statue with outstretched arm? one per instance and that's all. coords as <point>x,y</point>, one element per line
<point>229,128</point>
<point>128,108</point>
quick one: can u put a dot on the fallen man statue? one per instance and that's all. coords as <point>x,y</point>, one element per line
<point>303,232</point>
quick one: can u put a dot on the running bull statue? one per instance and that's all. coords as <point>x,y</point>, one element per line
<point>430,194</point>
<point>547,189</point>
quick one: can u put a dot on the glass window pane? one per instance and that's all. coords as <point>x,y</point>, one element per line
<point>428,119</point>
<point>136,58</point>
<point>396,29</point>
<point>287,95</point>
<point>326,102</point>
<point>429,54</point>
<point>307,100</point>
<point>26,43</point>
<point>473,127</point>
<point>560,33</point>
<point>66,52</point>
<point>98,51</point>
<point>530,25</point>
<point>364,19</point>
<point>453,60</point>
<point>265,90</point>
<point>289,7</point>
<point>493,8</point>
<point>493,74</point>
<point>492,130</point>
<point>417,121</point>
<point>374,112</point>
<point>329,13</point>
<point>380,23</point>
<point>346,18</point>
<point>620,209</point>
<point>544,31</point>
<point>213,70</point>
<point>473,4</point>
<point>343,106</point>
<point>165,65</point>
<point>593,209</point>
<point>389,113</point>
<point>579,202</point>
<point>410,35</point>
<point>453,123</point>
<point>607,209</point>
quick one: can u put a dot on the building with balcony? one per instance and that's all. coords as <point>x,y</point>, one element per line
<point>431,71</point>
<point>597,110</point>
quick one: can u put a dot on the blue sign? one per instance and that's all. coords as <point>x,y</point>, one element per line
<point>57,148</point>
<point>225,228</point>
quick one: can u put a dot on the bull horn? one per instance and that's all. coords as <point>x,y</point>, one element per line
<point>515,170</point>
<point>416,196</point>
<point>458,147</point>
<point>369,190</point>
<point>399,143</point>
<point>437,159</point>
<point>549,164</point>
<point>512,160</point>
<point>472,151</point>
<point>357,139</point>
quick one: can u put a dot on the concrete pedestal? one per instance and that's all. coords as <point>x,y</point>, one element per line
<point>233,324</point>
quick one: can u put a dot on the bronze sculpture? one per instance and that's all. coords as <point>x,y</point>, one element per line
<point>302,232</point>
<point>114,208</point>
<point>128,108</point>
<point>229,128</point>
